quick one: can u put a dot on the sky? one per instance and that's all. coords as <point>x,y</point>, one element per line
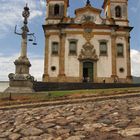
<point>10,44</point>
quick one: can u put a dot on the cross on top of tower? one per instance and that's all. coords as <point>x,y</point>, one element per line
<point>88,2</point>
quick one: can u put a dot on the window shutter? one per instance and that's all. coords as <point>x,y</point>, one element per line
<point>55,47</point>
<point>51,10</point>
<point>103,48</point>
<point>61,10</point>
<point>113,11</point>
<point>124,11</point>
<point>120,50</point>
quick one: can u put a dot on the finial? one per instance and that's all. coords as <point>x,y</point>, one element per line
<point>26,14</point>
<point>88,2</point>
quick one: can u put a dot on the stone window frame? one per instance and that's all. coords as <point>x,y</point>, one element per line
<point>118,11</point>
<point>76,42</point>
<point>52,10</point>
<point>120,54</point>
<point>101,52</point>
<point>53,51</point>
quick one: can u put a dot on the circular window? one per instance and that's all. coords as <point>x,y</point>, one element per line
<point>121,70</point>
<point>53,68</point>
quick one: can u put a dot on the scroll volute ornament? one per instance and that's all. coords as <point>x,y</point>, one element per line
<point>88,52</point>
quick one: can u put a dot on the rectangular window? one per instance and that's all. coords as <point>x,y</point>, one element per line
<point>73,47</point>
<point>103,48</point>
<point>55,48</point>
<point>120,50</point>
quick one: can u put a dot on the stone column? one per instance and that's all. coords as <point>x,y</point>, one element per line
<point>24,46</point>
<point>128,59</point>
<point>62,58</point>
<point>113,50</point>
<point>46,59</point>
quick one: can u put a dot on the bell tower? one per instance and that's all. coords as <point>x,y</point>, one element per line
<point>56,9</point>
<point>118,10</point>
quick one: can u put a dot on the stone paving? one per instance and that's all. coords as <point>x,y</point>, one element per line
<point>104,120</point>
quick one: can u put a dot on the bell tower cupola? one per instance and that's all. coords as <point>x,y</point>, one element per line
<point>118,10</point>
<point>56,9</point>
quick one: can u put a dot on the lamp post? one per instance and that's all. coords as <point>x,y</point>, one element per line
<point>22,81</point>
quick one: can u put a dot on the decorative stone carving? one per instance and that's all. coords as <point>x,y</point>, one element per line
<point>88,52</point>
<point>88,28</point>
<point>20,77</point>
<point>22,61</point>
<point>88,18</point>
<point>88,36</point>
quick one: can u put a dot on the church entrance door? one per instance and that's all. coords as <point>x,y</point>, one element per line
<point>88,72</point>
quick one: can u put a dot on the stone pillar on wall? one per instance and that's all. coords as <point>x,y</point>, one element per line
<point>113,51</point>
<point>62,58</point>
<point>46,59</point>
<point>129,77</point>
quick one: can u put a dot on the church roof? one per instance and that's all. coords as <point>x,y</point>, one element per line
<point>88,7</point>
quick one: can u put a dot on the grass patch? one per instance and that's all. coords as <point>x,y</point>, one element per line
<point>17,98</point>
<point>92,91</point>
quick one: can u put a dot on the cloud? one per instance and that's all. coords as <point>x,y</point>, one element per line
<point>136,8</point>
<point>135,62</point>
<point>10,13</point>
<point>7,66</point>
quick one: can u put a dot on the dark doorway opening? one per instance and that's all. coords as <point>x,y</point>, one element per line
<point>88,72</point>
<point>56,10</point>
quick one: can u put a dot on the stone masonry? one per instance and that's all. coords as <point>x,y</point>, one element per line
<point>104,120</point>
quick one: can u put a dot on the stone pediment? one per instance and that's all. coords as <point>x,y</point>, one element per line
<point>88,14</point>
<point>88,52</point>
<point>87,8</point>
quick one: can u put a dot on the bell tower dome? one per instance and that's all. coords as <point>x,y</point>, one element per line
<point>56,9</point>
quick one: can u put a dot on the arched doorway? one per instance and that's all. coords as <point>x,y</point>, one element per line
<point>88,71</point>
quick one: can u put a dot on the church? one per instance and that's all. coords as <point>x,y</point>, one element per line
<point>88,47</point>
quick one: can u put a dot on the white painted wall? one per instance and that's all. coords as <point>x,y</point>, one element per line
<point>72,63</point>
<point>104,65</point>
<point>122,61</point>
<point>53,60</point>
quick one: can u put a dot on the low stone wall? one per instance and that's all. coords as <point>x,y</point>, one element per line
<point>47,86</point>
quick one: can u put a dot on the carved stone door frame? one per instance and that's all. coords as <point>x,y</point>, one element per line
<point>94,71</point>
<point>88,54</point>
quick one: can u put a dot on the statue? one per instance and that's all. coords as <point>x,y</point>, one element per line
<point>22,81</point>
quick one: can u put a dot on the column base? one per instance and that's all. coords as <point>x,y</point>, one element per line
<point>45,77</point>
<point>114,78</point>
<point>62,78</point>
<point>129,79</point>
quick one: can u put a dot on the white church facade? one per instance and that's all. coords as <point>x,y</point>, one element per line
<point>88,47</point>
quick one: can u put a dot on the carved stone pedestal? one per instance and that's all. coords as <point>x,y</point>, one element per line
<point>114,78</point>
<point>21,81</point>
